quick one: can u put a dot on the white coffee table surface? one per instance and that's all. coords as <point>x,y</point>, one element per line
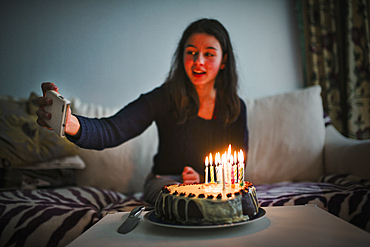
<point>281,226</point>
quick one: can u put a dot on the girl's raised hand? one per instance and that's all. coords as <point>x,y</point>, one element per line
<point>44,101</point>
<point>72,123</point>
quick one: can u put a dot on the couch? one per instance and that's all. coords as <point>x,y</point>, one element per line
<point>52,191</point>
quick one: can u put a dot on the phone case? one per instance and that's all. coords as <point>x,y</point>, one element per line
<point>58,110</point>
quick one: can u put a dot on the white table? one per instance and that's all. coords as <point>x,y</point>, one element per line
<point>281,226</point>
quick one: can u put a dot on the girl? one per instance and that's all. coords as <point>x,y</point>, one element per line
<point>197,111</point>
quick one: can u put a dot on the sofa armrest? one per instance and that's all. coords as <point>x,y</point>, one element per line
<point>345,155</point>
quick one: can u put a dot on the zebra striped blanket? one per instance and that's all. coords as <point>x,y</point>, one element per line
<point>345,196</point>
<point>55,217</point>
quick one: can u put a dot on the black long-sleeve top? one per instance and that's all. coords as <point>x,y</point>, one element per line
<point>179,145</point>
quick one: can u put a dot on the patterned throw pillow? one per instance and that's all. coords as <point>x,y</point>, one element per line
<point>24,144</point>
<point>286,137</point>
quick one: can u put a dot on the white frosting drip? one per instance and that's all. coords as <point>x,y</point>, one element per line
<point>206,189</point>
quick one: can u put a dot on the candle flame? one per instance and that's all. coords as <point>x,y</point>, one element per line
<point>218,158</point>
<point>241,156</point>
<point>231,165</point>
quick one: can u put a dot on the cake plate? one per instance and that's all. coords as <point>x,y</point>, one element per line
<point>152,218</point>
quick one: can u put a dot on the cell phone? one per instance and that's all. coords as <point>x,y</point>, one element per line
<point>58,110</point>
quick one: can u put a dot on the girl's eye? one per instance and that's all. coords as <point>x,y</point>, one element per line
<point>190,53</point>
<point>209,54</point>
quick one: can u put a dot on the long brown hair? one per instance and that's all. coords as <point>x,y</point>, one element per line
<point>184,98</point>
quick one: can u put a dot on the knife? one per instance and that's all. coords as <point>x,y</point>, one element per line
<point>131,221</point>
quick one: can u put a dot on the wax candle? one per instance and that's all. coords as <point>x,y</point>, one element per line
<point>223,171</point>
<point>211,167</point>
<point>232,171</point>
<point>227,168</point>
<point>206,170</point>
<point>241,167</point>
<point>235,164</point>
<point>228,153</point>
<point>218,168</point>
<point>236,173</point>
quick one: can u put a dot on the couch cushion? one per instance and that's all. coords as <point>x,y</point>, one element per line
<point>345,155</point>
<point>286,137</point>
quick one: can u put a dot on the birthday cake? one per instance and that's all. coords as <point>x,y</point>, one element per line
<point>226,198</point>
<point>206,204</point>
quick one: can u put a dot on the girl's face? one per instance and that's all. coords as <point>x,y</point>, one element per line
<point>203,59</point>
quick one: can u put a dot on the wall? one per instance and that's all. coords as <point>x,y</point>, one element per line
<point>108,52</point>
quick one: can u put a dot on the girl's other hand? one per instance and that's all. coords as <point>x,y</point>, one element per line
<point>189,175</point>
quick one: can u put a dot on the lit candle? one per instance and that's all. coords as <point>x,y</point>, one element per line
<point>223,171</point>
<point>229,153</point>
<point>218,168</point>
<point>211,167</point>
<point>206,171</point>
<point>235,164</point>
<point>232,177</point>
<point>241,167</point>
<point>227,168</point>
